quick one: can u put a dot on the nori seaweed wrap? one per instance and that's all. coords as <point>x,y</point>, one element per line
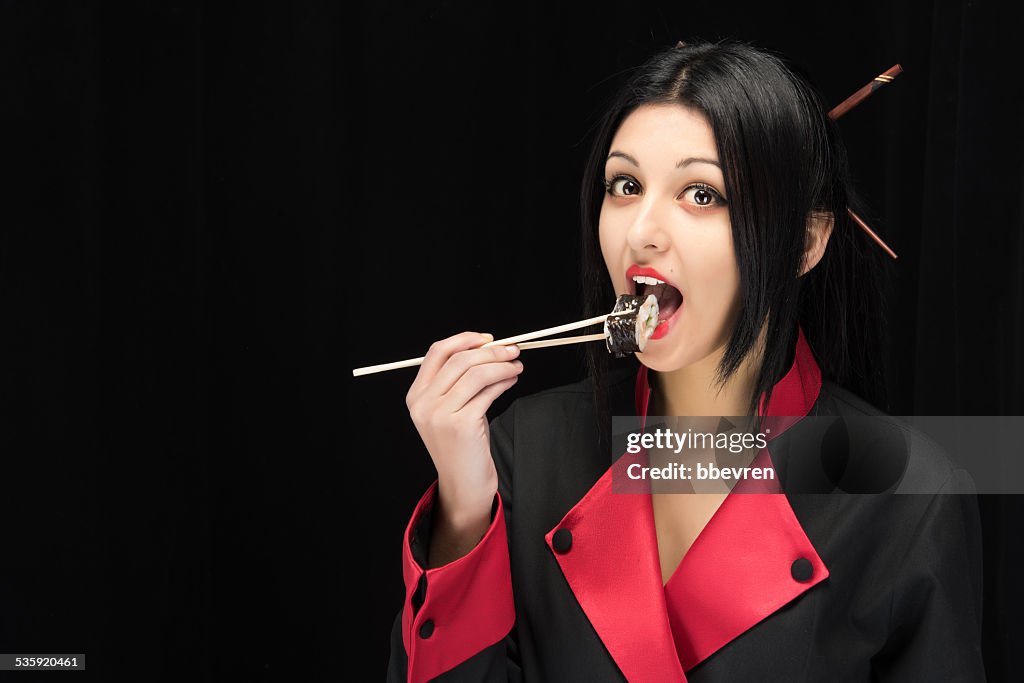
<point>630,324</point>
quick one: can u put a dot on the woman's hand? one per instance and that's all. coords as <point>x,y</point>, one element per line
<point>448,402</point>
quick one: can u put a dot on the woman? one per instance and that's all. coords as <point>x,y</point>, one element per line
<point>718,182</point>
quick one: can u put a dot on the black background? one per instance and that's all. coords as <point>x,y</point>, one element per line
<point>212,213</point>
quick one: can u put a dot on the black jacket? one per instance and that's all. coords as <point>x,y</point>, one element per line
<point>810,586</point>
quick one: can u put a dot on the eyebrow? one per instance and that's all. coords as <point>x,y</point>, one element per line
<point>685,162</point>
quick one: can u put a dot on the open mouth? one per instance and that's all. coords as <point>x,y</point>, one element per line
<point>669,298</point>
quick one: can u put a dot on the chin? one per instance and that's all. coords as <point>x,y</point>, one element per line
<point>664,362</point>
<point>668,355</point>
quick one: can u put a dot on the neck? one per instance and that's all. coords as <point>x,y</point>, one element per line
<point>692,390</point>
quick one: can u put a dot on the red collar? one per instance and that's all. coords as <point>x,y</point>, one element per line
<point>739,570</point>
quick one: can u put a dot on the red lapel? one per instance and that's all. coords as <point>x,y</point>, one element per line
<point>738,571</point>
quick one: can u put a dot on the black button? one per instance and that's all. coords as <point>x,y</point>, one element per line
<point>562,540</point>
<point>802,570</point>
<point>427,628</point>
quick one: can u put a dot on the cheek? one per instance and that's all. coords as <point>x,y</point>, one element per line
<point>715,280</point>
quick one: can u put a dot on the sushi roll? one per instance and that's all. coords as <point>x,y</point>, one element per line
<point>630,324</point>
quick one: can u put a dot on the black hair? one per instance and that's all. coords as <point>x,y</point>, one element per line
<point>782,159</point>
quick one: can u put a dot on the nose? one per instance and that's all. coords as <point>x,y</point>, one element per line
<point>647,232</point>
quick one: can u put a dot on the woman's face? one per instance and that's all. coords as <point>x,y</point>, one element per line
<point>665,217</point>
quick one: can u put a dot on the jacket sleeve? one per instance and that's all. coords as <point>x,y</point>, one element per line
<point>935,622</point>
<point>456,623</point>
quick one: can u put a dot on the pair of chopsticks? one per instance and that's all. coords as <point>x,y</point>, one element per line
<point>508,341</point>
<point>846,105</point>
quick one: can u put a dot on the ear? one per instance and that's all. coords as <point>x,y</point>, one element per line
<point>819,229</point>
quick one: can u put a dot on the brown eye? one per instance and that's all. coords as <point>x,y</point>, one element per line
<point>628,186</point>
<point>705,196</point>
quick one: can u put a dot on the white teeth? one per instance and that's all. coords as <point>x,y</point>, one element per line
<point>644,280</point>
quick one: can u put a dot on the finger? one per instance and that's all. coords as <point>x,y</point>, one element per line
<point>479,404</point>
<point>462,361</point>
<point>439,353</point>
<point>475,380</point>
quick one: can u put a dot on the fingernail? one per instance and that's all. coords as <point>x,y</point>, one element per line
<point>513,350</point>
<point>487,336</point>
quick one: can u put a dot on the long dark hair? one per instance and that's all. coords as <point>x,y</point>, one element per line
<point>782,158</point>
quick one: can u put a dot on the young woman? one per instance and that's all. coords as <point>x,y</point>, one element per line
<point>718,182</point>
